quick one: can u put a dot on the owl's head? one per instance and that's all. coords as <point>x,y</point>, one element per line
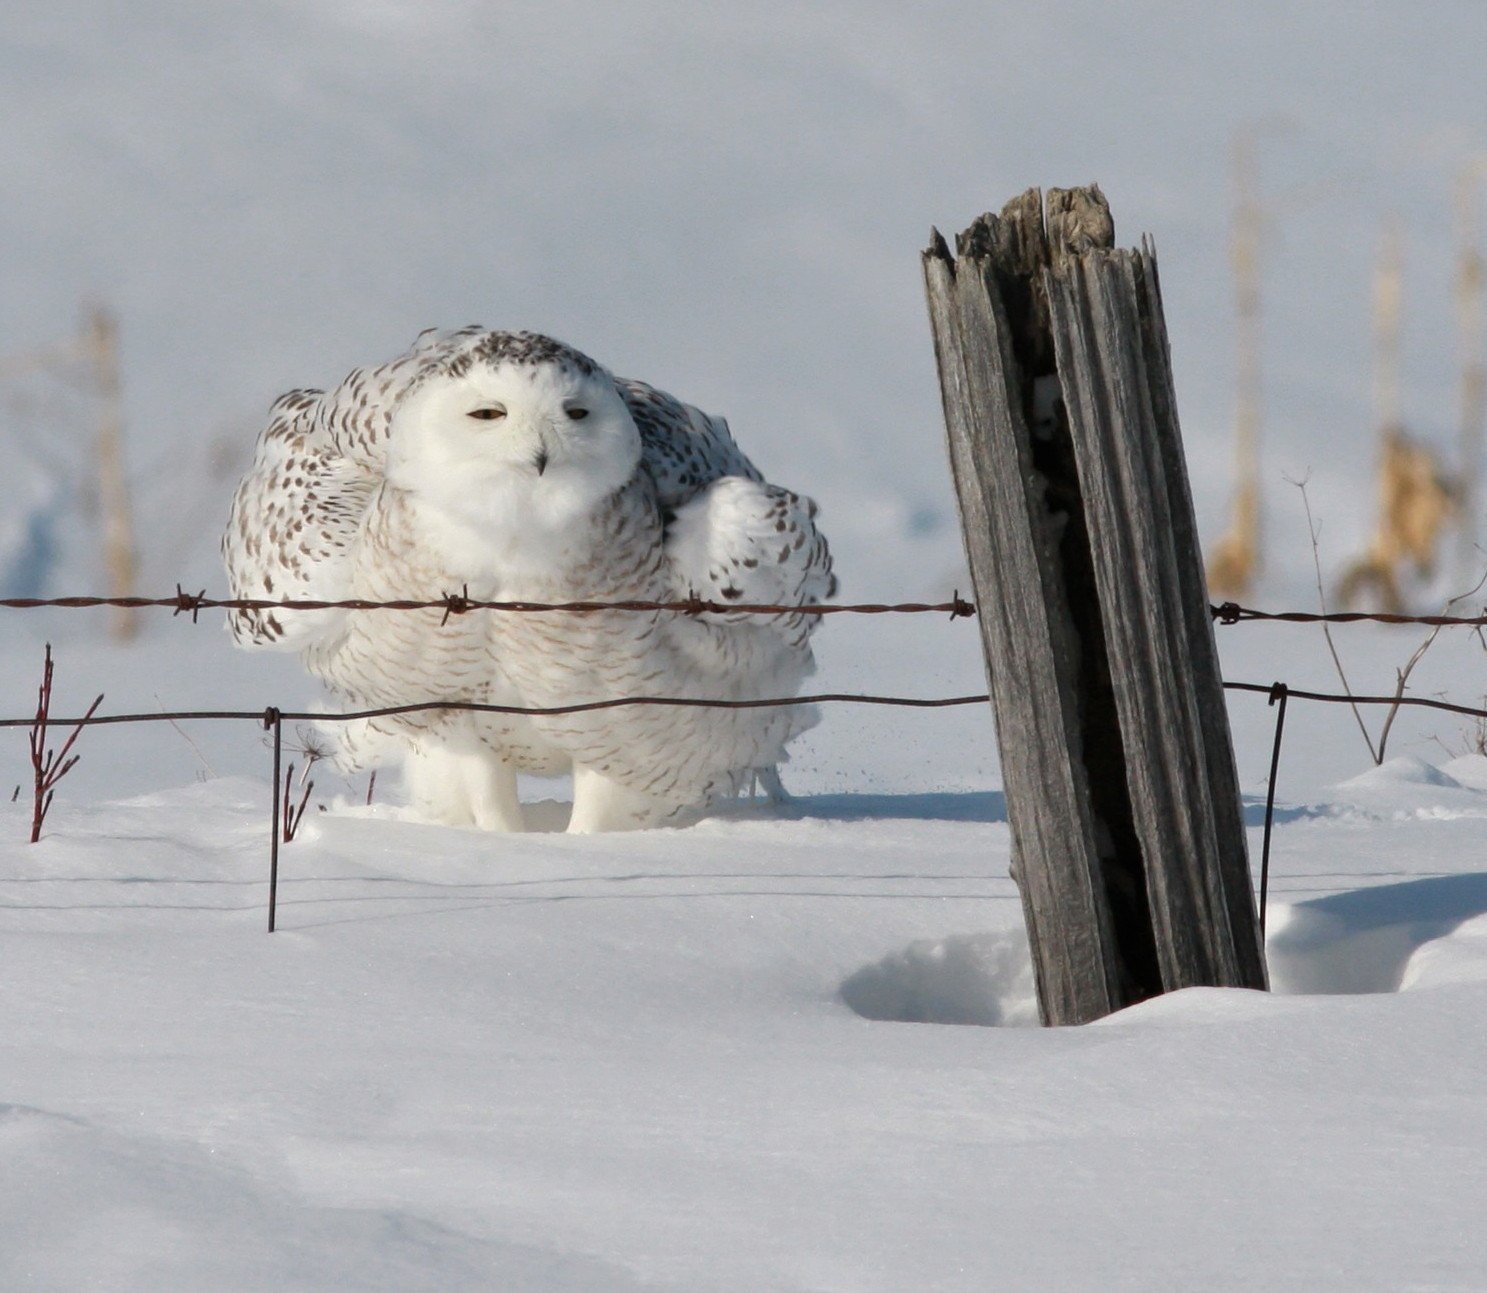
<point>514,423</point>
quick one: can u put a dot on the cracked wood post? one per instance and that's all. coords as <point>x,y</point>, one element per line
<point>1128,837</point>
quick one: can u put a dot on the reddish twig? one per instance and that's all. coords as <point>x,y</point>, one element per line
<point>48,767</point>
<point>292,815</point>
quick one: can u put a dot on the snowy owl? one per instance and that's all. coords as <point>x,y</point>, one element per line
<point>513,466</point>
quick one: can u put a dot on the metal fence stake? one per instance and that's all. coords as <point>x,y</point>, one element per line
<point>273,721</point>
<point>1279,693</point>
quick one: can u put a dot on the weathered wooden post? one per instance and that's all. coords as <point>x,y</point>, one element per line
<point>1128,838</point>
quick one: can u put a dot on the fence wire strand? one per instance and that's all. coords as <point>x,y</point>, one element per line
<point>183,603</point>
<point>192,604</point>
<point>272,718</point>
<point>475,707</point>
<point>265,716</point>
<point>1233,613</point>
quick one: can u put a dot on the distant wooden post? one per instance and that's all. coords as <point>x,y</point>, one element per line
<point>101,343</point>
<point>1128,839</point>
<point>1236,559</point>
<point>1471,328</point>
<point>90,363</point>
<point>1417,497</point>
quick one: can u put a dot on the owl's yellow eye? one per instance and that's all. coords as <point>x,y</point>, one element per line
<point>488,414</point>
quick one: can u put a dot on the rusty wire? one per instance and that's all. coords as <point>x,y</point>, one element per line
<point>1233,613</point>
<point>1420,702</point>
<point>267,716</point>
<point>272,719</point>
<point>192,604</point>
<point>183,603</point>
<point>284,823</point>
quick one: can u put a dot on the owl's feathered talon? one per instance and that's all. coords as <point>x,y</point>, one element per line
<point>767,781</point>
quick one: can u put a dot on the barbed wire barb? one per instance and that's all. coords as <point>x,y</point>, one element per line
<point>188,603</point>
<point>456,603</point>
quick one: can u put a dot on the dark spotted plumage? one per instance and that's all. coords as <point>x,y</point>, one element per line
<point>682,447</point>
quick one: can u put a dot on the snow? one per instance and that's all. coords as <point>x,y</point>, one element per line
<point>765,1052</point>
<point>771,1051</point>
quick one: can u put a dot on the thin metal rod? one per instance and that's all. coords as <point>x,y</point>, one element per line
<point>274,721</point>
<point>1279,694</point>
<point>311,716</point>
<point>820,698</point>
<point>1419,702</point>
<point>1233,613</point>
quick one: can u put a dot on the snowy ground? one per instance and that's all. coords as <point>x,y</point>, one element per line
<point>683,1059</point>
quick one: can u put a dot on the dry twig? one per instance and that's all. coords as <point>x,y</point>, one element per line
<point>294,815</point>
<point>49,766</point>
<point>1316,558</point>
<point>1419,654</point>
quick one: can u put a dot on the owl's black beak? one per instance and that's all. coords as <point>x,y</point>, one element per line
<point>540,461</point>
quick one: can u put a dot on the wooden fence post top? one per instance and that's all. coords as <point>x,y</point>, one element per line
<point>1079,221</point>
<point>1022,238</point>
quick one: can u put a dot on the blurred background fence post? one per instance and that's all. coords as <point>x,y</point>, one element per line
<point>1237,554</point>
<point>89,363</point>
<point>117,521</point>
<point>1128,838</point>
<point>1471,330</point>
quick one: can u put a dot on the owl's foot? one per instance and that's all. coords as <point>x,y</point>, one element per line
<point>463,788</point>
<point>766,782</point>
<point>602,804</point>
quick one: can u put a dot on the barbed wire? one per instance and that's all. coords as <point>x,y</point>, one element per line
<point>183,603</point>
<point>1233,613</point>
<point>192,604</point>
<point>272,719</point>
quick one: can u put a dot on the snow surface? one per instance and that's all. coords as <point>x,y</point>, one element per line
<point>735,1057</point>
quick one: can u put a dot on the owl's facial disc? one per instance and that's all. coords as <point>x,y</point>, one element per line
<point>513,437</point>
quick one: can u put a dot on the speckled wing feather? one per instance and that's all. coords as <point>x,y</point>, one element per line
<point>293,521</point>
<point>296,515</point>
<point>357,416</point>
<point>754,543</point>
<point>683,448</point>
<point>730,536</point>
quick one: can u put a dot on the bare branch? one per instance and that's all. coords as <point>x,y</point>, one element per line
<point>294,815</point>
<point>1404,674</point>
<point>1316,557</point>
<point>48,767</point>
